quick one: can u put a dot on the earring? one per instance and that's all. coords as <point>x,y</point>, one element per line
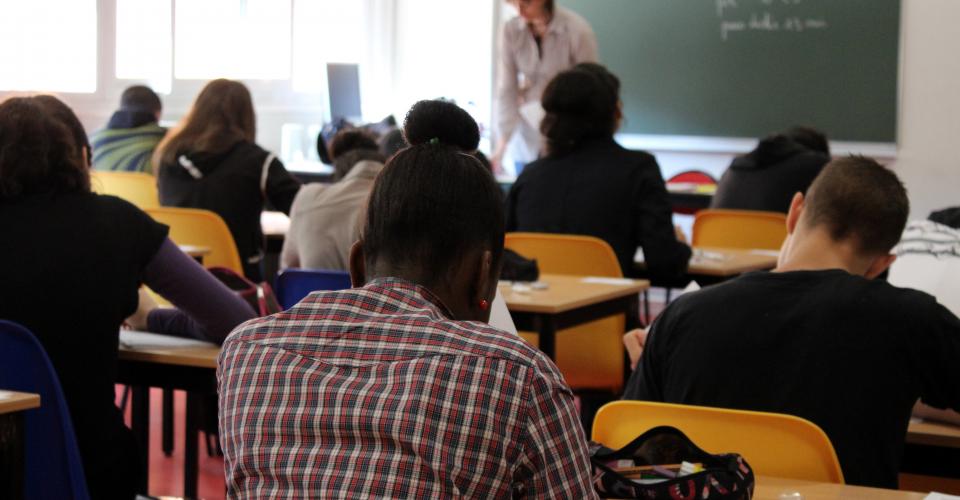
<point>484,305</point>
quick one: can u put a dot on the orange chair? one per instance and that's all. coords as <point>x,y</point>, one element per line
<point>203,228</point>
<point>748,229</point>
<point>774,444</point>
<point>590,356</point>
<point>136,187</point>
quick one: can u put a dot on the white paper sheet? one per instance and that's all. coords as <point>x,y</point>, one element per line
<point>940,496</point>
<point>500,316</point>
<point>133,339</point>
<point>533,113</point>
<point>607,281</point>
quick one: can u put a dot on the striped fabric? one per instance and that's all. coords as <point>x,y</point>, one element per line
<point>126,149</point>
<point>374,392</point>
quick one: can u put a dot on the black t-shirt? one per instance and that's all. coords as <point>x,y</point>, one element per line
<point>70,266</point>
<point>850,354</point>
<point>605,191</point>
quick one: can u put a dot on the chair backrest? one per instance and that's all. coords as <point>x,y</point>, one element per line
<point>774,444</point>
<point>590,356</point>
<point>191,226</point>
<point>53,468</point>
<point>693,177</point>
<point>136,187</point>
<point>750,229</point>
<point>294,284</point>
<point>566,254</point>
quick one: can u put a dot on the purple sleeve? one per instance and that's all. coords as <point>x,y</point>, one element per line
<point>206,308</point>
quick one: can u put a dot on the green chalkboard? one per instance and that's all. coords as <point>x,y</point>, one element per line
<point>745,68</point>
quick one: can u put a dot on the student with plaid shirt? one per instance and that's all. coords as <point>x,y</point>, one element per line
<point>399,387</point>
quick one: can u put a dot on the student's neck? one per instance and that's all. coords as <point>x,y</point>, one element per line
<point>817,251</point>
<point>441,292</point>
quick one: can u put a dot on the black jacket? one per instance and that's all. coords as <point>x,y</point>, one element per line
<point>229,184</point>
<point>768,177</point>
<point>606,191</point>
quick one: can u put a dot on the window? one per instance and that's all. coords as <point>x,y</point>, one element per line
<point>232,39</point>
<point>48,45</point>
<point>144,42</point>
<point>440,55</point>
<point>325,31</point>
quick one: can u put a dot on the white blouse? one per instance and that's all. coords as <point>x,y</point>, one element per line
<point>524,73</point>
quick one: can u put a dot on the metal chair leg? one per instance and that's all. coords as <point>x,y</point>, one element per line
<point>167,422</point>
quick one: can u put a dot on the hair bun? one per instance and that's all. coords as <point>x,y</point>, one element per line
<point>441,122</point>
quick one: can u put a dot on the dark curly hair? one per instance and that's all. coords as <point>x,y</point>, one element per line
<point>431,205</point>
<point>351,146</point>
<point>41,148</point>
<point>580,103</point>
<point>444,121</point>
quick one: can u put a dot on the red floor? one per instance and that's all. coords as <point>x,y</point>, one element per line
<point>166,473</point>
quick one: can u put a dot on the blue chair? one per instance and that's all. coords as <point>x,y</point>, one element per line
<point>53,468</point>
<point>295,284</point>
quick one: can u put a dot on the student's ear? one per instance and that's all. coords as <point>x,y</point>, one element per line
<point>793,215</point>
<point>484,288</point>
<point>879,265</point>
<point>358,265</point>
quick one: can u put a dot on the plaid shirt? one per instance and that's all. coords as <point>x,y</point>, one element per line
<point>375,392</point>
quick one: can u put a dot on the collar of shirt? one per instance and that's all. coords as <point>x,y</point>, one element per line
<point>407,289</point>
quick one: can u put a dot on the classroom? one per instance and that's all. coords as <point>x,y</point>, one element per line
<point>479,248</point>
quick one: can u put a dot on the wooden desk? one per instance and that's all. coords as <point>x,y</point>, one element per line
<point>729,262</point>
<point>933,434</point>
<point>710,264</point>
<point>12,440</point>
<point>770,488</point>
<point>197,252</point>
<point>569,301</point>
<point>13,402</point>
<point>274,224</point>
<point>189,368</point>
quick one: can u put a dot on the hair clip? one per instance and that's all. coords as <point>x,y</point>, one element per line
<point>435,140</point>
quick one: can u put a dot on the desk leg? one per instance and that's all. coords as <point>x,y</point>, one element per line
<point>167,419</point>
<point>12,455</point>
<point>190,459</point>
<point>547,331</point>
<point>140,424</point>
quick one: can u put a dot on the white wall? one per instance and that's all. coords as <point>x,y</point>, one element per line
<point>929,129</point>
<point>927,157</point>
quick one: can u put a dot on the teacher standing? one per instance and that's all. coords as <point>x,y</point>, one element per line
<point>536,45</point>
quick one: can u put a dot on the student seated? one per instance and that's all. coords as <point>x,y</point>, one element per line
<point>211,161</point>
<point>588,184</point>
<point>73,262</point>
<point>818,337</point>
<point>325,218</point>
<point>131,135</point>
<point>767,177</point>
<point>398,387</point>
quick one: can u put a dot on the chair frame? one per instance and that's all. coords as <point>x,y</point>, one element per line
<point>609,429</point>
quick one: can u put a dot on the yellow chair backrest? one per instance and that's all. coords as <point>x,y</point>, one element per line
<point>739,229</point>
<point>567,253</point>
<point>590,356</point>
<point>772,443</point>
<point>136,187</point>
<point>190,226</point>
